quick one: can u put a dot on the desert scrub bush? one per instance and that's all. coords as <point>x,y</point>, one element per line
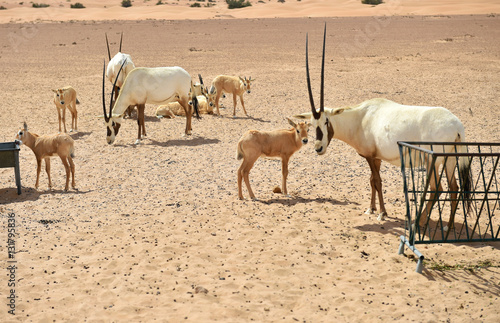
<point>77,5</point>
<point>195,5</point>
<point>3,8</point>
<point>40,5</point>
<point>126,3</point>
<point>234,4</point>
<point>373,2</point>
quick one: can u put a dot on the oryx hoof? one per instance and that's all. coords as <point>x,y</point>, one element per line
<point>381,216</point>
<point>370,211</point>
<point>137,142</point>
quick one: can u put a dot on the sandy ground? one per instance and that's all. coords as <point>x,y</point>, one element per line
<point>151,224</point>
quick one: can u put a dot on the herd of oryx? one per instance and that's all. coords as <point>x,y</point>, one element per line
<point>372,128</point>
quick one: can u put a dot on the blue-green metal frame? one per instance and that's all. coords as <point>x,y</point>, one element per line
<point>476,205</point>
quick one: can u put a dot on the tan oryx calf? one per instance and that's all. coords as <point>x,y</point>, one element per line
<point>65,97</point>
<point>277,143</point>
<point>172,109</point>
<point>44,147</point>
<point>231,84</point>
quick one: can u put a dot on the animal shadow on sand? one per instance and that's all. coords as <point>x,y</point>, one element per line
<point>78,135</point>
<point>9,195</point>
<point>294,200</point>
<point>247,118</point>
<point>391,225</point>
<point>189,142</point>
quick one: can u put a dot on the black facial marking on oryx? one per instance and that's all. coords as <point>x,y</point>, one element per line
<point>319,134</point>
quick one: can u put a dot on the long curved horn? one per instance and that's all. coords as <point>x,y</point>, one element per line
<point>107,44</point>
<point>113,91</point>
<point>322,95</point>
<point>316,115</point>
<point>201,80</point>
<point>103,94</point>
<point>121,38</point>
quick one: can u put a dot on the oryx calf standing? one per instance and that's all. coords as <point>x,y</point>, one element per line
<point>65,97</point>
<point>231,84</point>
<point>281,143</point>
<point>44,147</point>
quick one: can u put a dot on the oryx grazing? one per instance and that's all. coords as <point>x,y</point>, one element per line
<point>158,85</point>
<point>114,66</point>
<point>373,129</point>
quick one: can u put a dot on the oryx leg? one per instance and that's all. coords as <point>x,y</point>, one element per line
<point>376,185</point>
<point>243,172</point>
<point>217,97</point>
<point>189,113</point>
<point>453,188</point>
<point>72,167</point>
<point>38,169</point>
<point>66,167</point>
<point>234,104</point>
<point>284,173</point>
<point>59,117</point>
<point>47,169</point>
<point>74,116</point>
<point>243,105</point>
<point>141,129</point>
<point>64,119</point>
<point>435,190</point>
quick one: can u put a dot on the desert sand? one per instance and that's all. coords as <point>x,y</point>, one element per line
<point>155,232</point>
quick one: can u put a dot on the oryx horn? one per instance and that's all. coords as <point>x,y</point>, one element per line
<point>106,117</point>
<point>103,94</point>
<point>107,44</point>
<point>121,38</point>
<point>316,114</point>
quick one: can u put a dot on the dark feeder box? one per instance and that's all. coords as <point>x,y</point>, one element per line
<point>9,157</point>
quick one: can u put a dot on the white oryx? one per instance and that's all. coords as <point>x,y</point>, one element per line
<point>373,129</point>
<point>114,66</point>
<point>158,85</point>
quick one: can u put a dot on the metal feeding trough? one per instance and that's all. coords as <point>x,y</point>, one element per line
<point>9,157</point>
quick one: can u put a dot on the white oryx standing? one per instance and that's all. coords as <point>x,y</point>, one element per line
<point>373,129</point>
<point>158,85</point>
<point>114,66</point>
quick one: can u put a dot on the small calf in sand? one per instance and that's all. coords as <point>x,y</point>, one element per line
<point>281,143</point>
<point>45,146</point>
<point>65,97</point>
<point>172,109</point>
<point>231,84</point>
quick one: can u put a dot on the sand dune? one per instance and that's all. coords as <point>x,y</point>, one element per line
<point>111,9</point>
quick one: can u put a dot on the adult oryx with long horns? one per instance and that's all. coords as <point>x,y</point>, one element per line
<point>158,85</point>
<point>115,64</point>
<point>373,129</point>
